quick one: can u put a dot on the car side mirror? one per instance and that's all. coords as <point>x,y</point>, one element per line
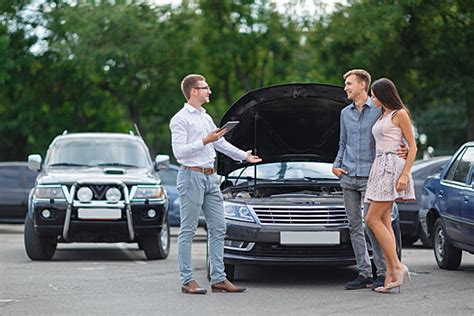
<point>162,162</point>
<point>34,162</point>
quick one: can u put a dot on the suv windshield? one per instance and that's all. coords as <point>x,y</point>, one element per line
<point>286,171</point>
<point>99,152</point>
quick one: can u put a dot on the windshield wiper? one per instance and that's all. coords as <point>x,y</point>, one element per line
<point>67,164</point>
<point>312,179</point>
<point>118,164</point>
<point>249,178</point>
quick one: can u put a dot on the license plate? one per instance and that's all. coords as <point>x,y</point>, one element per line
<point>309,238</point>
<point>99,213</point>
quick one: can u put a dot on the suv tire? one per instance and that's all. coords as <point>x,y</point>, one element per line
<point>38,247</point>
<point>447,256</point>
<point>156,247</point>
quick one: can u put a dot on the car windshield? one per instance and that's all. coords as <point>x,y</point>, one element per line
<point>308,171</point>
<point>99,152</point>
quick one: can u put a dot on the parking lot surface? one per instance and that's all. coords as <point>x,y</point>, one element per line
<point>116,279</point>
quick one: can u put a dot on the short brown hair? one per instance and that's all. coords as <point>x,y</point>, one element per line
<point>189,82</point>
<point>362,75</point>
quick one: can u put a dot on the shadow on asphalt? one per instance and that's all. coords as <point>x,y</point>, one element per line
<point>112,253</point>
<point>295,275</point>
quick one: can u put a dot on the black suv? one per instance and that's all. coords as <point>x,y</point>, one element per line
<point>97,187</point>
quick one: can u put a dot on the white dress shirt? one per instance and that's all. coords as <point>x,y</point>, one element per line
<point>188,127</point>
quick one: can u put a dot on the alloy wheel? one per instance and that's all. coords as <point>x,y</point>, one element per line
<point>439,244</point>
<point>164,237</point>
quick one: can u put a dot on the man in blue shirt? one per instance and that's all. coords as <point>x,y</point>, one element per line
<point>352,165</point>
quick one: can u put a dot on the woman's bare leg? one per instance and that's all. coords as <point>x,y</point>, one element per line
<point>379,220</point>
<point>387,222</point>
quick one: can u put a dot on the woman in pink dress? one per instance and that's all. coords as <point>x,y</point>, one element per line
<point>389,179</point>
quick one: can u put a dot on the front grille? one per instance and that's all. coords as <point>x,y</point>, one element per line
<point>276,250</point>
<point>314,215</point>
<point>99,190</point>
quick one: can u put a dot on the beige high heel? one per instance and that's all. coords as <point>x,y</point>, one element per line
<point>383,290</point>
<point>398,284</point>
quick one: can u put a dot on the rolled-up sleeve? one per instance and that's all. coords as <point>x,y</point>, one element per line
<point>179,136</point>
<point>230,150</point>
<point>223,146</point>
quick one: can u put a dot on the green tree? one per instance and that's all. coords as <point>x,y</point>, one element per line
<point>415,43</point>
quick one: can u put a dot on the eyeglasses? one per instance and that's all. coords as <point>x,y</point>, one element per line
<point>203,88</point>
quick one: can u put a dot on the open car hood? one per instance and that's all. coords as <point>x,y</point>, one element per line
<point>298,121</point>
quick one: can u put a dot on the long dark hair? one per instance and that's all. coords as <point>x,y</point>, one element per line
<point>385,90</point>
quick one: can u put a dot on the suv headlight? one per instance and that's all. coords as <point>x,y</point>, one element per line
<point>149,192</point>
<point>49,192</point>
<point>239,212</point>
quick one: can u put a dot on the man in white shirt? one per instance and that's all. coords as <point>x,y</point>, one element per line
<point>195,139</point>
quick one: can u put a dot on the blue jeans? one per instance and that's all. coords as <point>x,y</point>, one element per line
<point>200,191</point>
<point>353,189</point>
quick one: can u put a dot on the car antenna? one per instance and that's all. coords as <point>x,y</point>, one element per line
<point>137,130</point>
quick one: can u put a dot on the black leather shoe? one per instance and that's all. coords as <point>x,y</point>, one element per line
<point>193,288</point>
<point>360,282</point>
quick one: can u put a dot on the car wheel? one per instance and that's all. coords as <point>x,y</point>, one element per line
<point>447,256</point>
<point>157,247</point>
<point>38,247</point>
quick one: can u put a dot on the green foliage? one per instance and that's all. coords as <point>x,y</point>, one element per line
<point>423,46</point>
<point>105,65</point>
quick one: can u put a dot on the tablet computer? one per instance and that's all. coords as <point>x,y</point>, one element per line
<point>230,125</point>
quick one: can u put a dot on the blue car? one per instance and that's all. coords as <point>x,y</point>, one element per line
<point>447,211</point>
<point>168,177</point>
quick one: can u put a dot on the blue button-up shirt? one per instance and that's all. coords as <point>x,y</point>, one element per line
<point>356,143</point>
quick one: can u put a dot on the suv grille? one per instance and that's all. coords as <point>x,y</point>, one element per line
<point>99,190</point>
<point>301,215</point>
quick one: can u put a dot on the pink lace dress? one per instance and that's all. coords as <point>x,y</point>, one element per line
<point>387,166</point>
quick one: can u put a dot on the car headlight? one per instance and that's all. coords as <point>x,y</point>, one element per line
<point>113,195</point>
<point>239,212</point>
<point>49,192</point>
<point>154,192</point>
<point>85,194</point>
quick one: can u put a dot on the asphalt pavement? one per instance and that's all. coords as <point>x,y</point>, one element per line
<point>116,279</point>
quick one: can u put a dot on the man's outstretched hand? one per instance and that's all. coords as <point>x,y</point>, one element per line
<point>252,158</point>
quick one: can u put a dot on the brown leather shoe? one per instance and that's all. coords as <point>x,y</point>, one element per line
<point>193,288</point>
<point>226,287</point>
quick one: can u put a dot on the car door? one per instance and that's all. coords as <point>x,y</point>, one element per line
<point>451,198</point>
<point>468,195</point>
<point>29,179</point>
<point>11,192</point>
